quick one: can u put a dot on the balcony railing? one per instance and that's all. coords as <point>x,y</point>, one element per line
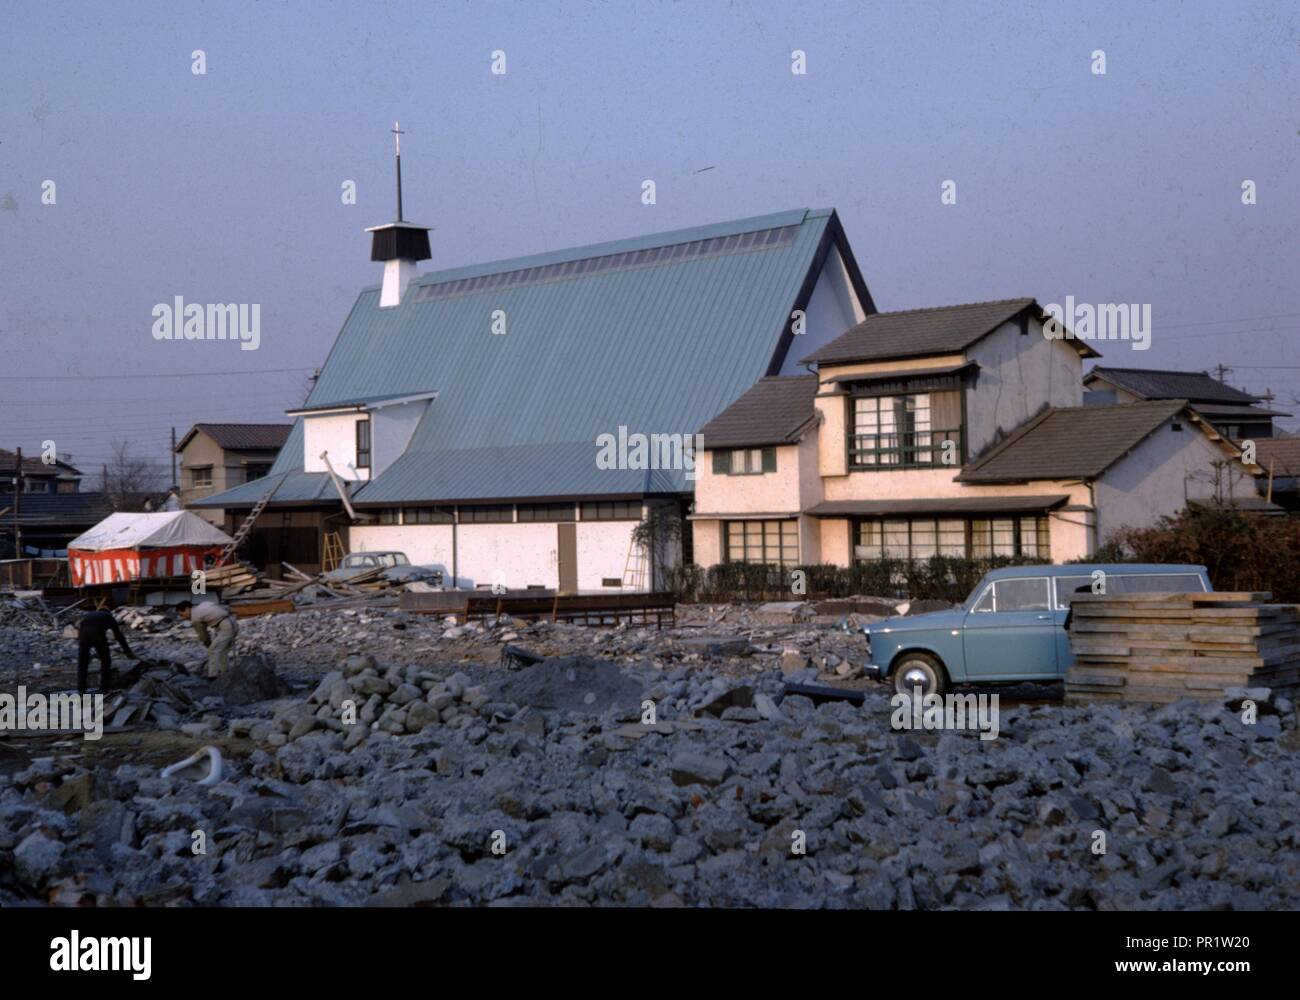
<point>905,450</point>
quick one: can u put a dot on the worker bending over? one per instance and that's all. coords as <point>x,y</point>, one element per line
<point>92,633</point>
<point>215,626</point>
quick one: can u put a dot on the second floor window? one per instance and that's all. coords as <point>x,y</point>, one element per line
<point>363,443</point>
<point>201,476</point>
<point>744,461</point>
<point>917,430</point>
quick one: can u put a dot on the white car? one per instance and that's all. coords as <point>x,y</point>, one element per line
<point>395,565</point>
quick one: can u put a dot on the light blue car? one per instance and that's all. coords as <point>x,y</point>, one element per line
<point>1011,628</point>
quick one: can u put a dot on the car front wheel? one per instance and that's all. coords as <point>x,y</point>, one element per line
<point>920,670</point>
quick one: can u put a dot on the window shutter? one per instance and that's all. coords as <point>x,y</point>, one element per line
<point>769,459</point>
<point>721,462</point>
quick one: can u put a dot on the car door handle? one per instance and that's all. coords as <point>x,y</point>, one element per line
<point>1044,618</point>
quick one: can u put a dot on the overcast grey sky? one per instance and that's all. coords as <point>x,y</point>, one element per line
<point>225,187</point>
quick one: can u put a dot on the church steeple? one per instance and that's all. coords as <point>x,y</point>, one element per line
<point>400,244</point>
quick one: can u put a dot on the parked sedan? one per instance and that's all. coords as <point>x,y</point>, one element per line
<point>395,565</point>
<point>1012,627</point>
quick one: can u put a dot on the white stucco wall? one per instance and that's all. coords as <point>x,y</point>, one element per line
<point>391,428</point>
<point>833,308</point>
<point>1018,375</point>
<point>337,435</point>
<point>769,493</point>
<point>524,554</point>
<point>426,544</point>
<point>1159,476</point>
<point>602,552</point>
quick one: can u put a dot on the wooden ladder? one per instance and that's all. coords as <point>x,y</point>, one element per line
<point>333,553</point>
<point>246,527</point>
<point>634,567</point>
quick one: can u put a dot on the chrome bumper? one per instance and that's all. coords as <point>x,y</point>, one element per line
<point>873,670</point>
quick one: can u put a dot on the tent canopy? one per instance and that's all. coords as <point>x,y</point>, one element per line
<point>149,531</point>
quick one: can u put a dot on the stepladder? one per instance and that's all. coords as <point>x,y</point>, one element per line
<point>332,553</point>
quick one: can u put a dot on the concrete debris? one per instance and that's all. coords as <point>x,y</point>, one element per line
<point>399,761</point>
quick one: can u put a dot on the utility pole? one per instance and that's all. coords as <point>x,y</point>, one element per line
<point>1221,372</point>
<point>175,486</point>
<point>18,506</point>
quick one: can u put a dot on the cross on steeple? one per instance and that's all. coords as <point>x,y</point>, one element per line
<point>397,141</point>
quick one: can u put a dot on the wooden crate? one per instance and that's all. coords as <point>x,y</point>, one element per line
<point>1165,647</point>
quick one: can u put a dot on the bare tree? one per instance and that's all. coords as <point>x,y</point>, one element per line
<point>130,479</point>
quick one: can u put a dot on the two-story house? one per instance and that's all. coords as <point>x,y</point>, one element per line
<point>217,457</point>
<point>38,476</point>
<point>952,431</point>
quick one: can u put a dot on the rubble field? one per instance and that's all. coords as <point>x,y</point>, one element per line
<point>371,756</point>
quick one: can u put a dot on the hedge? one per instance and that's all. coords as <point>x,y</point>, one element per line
<point>943,577</point>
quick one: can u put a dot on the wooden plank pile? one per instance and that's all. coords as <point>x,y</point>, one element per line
<point>1165,647</point>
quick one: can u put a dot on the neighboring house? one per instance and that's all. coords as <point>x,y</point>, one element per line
<point>953,431</point>
<point>57,477</point>
<point>1234,413</point>
<point>218,457</point>
<point>48,521</point>
<point>464,410</point>
<point>1279,461</point>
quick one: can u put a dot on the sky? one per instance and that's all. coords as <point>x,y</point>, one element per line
<point>226,186</point>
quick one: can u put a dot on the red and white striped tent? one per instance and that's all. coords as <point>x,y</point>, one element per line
<point>125,547</point>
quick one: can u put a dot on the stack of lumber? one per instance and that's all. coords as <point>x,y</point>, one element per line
<point>232,578</point>
<point>1165,647</point>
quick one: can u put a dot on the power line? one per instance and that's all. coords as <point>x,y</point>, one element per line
<point>153,375</point>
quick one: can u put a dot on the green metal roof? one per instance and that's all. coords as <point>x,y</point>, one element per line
<point>625,333</point>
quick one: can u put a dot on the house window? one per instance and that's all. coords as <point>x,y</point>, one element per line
<point>426,515</point>
<point>1010,536</point>
<point>618,510</point>
<point>256,470</point>
<point>389,515</point>
<point>744,461</point>
<point>201,476</point>
<point>546,512</point>
<point>899,432</point>
<point>363,443</point>
<point>771,542</point>
<point>919,538</point>
<point>485,513</point>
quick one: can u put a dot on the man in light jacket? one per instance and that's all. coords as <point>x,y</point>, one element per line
<point>215,626</point>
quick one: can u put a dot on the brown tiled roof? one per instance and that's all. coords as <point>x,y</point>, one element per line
<point>1283,452</point>
<point>931,505</point>
<point>1076,442</point>
<point>32,464</point>
<point>242,437</point>
<point>1156,383</point>
<point>773,411</point>
<point>919,332</point>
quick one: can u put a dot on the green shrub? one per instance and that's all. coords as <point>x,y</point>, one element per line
<point>1241,551</point>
